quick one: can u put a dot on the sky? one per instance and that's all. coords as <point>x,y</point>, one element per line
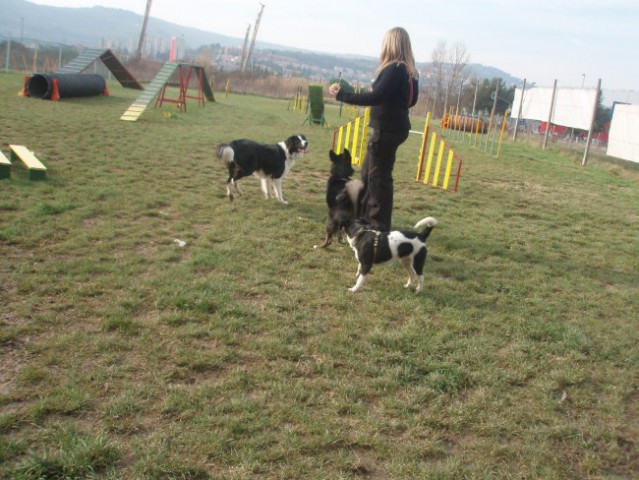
<point>574,42</point>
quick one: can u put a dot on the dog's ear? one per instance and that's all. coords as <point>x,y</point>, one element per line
<point>334,157</point>
<point>347,154</point>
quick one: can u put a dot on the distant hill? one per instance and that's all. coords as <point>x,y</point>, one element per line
<point>96,26</point>
<point>483,72</point>
<point>90,26</point>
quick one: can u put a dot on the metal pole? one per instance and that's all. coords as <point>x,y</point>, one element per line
<point>521,103</point>
<point>552,107</point>
<point>472,115</point>
<point>592,124</point>
<point>6,63</point>
<point>446,103</point>
<point>459,133</point>
<point>492,116</point>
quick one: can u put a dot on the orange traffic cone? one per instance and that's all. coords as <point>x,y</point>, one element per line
<point>55,94</point>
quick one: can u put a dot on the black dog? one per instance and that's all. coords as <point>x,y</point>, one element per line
<point>343,195</point>
<point>270,163</point>
<point>372,246</point>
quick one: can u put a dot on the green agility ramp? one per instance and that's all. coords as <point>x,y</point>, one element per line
<point>159,81</point>
<point>110,61</point>
<point>157,88</point>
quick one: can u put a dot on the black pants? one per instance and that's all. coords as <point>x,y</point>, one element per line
<point>377,175</point>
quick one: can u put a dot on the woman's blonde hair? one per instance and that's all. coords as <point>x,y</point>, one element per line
<point>396,48</point>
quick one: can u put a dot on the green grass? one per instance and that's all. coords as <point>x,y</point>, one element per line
<point>242,354</point>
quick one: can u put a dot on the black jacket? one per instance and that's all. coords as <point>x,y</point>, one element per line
<point>389,99</point>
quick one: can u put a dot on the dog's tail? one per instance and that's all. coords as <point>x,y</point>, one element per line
<point>355,191</point>
<point>225,153</point>
<point>429,223</point>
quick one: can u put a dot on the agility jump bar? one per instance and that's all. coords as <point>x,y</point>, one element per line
<point>442,169</point>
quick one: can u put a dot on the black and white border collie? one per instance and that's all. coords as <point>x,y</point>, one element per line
<point>372,246</point>
<point>271,163</point>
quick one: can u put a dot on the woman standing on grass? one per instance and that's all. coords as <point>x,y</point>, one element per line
<point>393,92</point>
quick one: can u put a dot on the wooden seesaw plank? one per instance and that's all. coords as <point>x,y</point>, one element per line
<point>37,170</point>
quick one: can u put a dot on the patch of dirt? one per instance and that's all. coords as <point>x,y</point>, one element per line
<point>14,357</point>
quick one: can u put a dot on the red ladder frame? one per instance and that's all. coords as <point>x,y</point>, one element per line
<point>184,75</point>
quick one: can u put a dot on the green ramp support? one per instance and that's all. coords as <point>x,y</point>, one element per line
<point>206,86</point>
<point>142,102</point>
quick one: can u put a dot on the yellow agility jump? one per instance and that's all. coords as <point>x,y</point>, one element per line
<point>358,128</point>
<point>442,170</point>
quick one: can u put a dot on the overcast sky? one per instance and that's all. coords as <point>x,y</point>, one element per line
<point>574,42</point>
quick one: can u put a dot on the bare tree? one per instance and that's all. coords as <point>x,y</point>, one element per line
<point>446,73</point>
<point>435,76</point>
<point>459,58</point>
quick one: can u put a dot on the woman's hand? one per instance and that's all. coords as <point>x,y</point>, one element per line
<point>334,88</point>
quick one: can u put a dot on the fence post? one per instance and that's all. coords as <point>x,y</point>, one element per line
<point>550,112</point>
<point>521,103</point>
<point>592,124</point>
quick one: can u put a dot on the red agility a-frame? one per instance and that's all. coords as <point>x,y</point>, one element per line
<point>185,71</point>
<point>157,89</point>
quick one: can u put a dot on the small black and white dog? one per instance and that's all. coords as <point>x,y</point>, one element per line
<point>271,163</point>
<point>343,195</point>
<point>408,247</point>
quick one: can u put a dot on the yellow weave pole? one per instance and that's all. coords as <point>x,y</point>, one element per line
<point>347,140</point>
<point>431,152</point>
<point>362,146</point>
<point>501,134</point>
<point>355,135</point>
<point>449,166</point>
<point>438,165</point>
<point>422,149</point>
<point>340,135</point>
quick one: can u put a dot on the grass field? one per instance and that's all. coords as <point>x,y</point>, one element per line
<point>243,356</point>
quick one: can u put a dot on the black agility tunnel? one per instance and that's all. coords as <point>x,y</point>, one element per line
<point>69,85</point>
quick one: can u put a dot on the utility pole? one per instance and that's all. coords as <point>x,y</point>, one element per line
<point>257,25</point>
<point>138,54</point>
<point>244,48</point>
